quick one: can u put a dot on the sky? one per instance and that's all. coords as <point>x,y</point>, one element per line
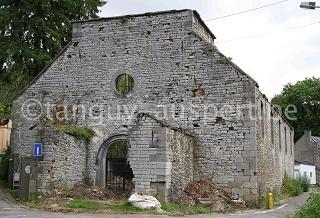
<point>275,45</point>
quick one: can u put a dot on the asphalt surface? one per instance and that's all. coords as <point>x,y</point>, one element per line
<point>10,210</point>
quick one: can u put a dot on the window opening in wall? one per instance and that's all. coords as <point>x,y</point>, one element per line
<point>124,84</point>
<point>119,173</point>
<point>310,174</point>
<point>262,120</point>
<point>272,129</point>
<point>279,134</point>
<point>285,139</point>
<point>291,143</point>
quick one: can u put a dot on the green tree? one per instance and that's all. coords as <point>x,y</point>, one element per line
<point>305,95</point>
<point>32,32</point>
<point>1,109</point>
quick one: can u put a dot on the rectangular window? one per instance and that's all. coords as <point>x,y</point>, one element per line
<point>262,120</point>
<point>285,140</point>
<point>272,129</point>
<point>291,144</point>
<point>279,134</point>
<point>310,174</point>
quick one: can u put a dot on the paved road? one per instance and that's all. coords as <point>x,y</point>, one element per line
<point>9,210</point>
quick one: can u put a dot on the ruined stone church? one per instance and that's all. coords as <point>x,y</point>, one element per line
<point>167,108</point>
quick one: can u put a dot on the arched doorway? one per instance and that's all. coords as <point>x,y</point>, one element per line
<point>119,174</point>
<point>113,169</point>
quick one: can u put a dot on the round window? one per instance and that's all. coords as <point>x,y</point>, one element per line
<point>124,84</point>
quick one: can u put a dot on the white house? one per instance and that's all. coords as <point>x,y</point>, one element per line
<point>307,169</point>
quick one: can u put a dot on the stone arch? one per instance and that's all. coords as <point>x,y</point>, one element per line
<point>100,160</point>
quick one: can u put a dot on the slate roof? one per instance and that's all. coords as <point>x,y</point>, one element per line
<point>303,162</point>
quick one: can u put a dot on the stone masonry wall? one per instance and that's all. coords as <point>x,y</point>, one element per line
<point>160,158</point>
<point>182,158</point>
<point>178,74</point>
<point>70,161</point>
<point>275,155</point>
<point>64,158</point>
<point>149,157</point>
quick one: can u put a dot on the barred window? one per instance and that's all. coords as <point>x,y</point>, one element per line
<point>124,84</point>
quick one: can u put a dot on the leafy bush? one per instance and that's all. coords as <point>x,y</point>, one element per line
<point>14,193</point>
<point>292,186</point>
<point>311,209</point>
<point>304,182</point>
<point>87,181</point>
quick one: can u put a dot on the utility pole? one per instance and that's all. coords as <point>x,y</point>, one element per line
<point>309,5</point>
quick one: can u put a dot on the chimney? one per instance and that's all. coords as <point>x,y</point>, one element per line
<point>307,133</point>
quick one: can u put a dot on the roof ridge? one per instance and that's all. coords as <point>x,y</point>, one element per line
<point>133,15</point>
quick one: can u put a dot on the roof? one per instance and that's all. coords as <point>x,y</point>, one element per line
<point>315,139</point>
<point>304,163</point>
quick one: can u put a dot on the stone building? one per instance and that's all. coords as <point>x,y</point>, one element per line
<point>155,84</point>
<point>307,149</point>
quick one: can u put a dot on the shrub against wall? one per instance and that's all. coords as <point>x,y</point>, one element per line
<point>295,187</point>
<point>304,181</point>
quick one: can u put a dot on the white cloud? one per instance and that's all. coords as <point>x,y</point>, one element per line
<point>273,60</point>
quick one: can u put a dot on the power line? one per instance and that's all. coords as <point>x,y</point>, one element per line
<point>270,33</point>
<point>242,12</point>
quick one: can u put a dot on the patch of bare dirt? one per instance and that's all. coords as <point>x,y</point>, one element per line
<point>90,193</point>
<point>206,193</point>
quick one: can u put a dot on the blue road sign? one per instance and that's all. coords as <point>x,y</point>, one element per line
<point>37,150</point>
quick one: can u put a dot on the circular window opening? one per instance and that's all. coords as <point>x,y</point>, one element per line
<point>124,84</point>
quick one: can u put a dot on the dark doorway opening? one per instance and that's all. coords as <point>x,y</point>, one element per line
<point>119,174</point>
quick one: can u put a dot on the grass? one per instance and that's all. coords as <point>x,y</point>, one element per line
<point>175,207</point>
<point>311,209</point>
<point>125,207</point>
<point>171,207</point>
<point>94,205</point>
<point>84,204</point>
<point>197,210</point>
<point>85,134</point>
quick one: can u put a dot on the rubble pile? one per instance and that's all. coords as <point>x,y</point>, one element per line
<point>90,193</point>
<point>206,193</point>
